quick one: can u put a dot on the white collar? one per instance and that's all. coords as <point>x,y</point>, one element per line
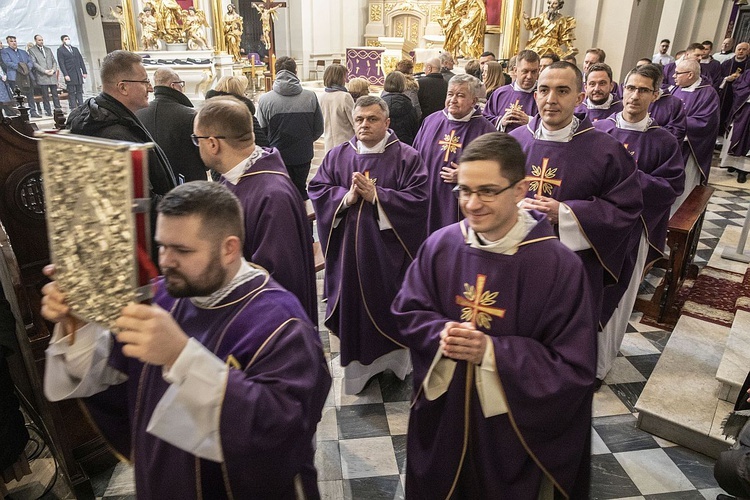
<point>377,148</point>
<point>508,244</point>
<point>233,176</point>
<point>605,105</point>
<point>465,119</point>
<point>519,89</point>
<point>640,126</point>
<point>565,134</point>
<point>693,86</point>
<point>244,274</point>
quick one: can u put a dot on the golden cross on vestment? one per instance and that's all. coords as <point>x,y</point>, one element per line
<point>476,304</point>
<point>542,179</point>
<point>367,176</point>
<point>515,106</point>
<point>632,153</point>
<point>450,144</point>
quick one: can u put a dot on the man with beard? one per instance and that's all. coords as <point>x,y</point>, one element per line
<point>600,102</point>
<point>512,105</point>
<point>215,389</point>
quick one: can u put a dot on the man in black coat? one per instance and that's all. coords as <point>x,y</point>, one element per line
<point>111,115</point>
<point>169,118</point>
<point>432,88</point>
<point>73,69</point>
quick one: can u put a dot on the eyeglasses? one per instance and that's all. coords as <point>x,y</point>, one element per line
<point>640,90</point>
<point>196,138</point>
<point>681,72</point>
<point>181,83</point>
<point>486,195</point>
<point>146,82</point>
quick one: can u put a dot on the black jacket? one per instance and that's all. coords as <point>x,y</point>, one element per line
<point>403,117</point>
<point>169,119</point>
<point>432,91</point>
<point>261,139</point>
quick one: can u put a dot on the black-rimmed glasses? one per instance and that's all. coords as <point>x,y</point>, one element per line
<point>640,90</point>
<point>181,83</point>
<point>146,82</point>
<point>196,138</point>
<point>486,195</point>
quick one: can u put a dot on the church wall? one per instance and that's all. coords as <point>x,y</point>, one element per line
<point>688,21</point>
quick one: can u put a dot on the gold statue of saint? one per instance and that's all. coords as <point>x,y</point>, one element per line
<point>169,14</point>
<point>464,23</point>
<point>233,31</point>
<point>552,32</point>
<point>267,16</point>
<point>125,41</point>
<point>194,23</point>
<point>149,29</point>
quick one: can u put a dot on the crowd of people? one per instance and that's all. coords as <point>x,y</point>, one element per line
<point>482,231</point>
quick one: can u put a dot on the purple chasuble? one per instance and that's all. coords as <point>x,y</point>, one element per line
<point>702,112</point>
<point>740,117</point>
<point>505,97</point>
<point>668,72</point>
<point>726,94</point>
<point>598,180</point>
<point>668,112</point>
<point>440,142</point>
<point>536,307</point>
<point>661,174</point>
<point>711,72</point>
<point>596,114</point>
<point>364,264</point>
<point>278,236</point>
<point>278,382</point>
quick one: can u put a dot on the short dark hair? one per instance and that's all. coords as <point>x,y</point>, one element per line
<point>567,65</point>
<point>488,53</point>
<point>650,71</point>
<point>527,55</point>
<point>500,148</point>
<point>694,46</point>
<point>600,67</point>
<point>646,59</point>
<point>395,82</point>
<point>472,67</point>
<point>35,37</point>
<point>9,38</point>
<point>118,63</point>
<point>220,210</point>
<point>405,66</point>
<point>63,37</point>
<point>335,74</point>
<point>371,100</point>
<point>285,63</point>
<point>665,40</point>
<point>229,117</point>
<point>550,55</point>
<point>708,42</point>
<point>599,53</point>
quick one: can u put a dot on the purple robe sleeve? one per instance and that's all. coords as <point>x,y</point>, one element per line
<point>670,114</point>
<point>327,191</point>
<point>662,185</point>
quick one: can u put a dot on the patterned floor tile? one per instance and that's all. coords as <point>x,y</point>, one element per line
<point>620,434</point>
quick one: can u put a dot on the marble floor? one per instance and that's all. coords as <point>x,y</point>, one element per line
<point>361,440</point>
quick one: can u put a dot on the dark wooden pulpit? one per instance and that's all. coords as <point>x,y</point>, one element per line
<point>78,447</point>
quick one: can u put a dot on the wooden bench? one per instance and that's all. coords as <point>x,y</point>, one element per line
<point>320,260</point>
<point>683,235</point>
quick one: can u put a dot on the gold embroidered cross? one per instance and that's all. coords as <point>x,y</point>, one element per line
<point>632,153</point>
<point>542,179</point>
<point>450,144</point>
<point>367,175</point>
<point>515,106</point>
<point>476,304</point>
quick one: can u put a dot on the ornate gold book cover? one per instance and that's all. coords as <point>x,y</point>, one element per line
<point>96,194</point>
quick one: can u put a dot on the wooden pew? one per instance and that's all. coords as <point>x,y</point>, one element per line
<point>683,235</point>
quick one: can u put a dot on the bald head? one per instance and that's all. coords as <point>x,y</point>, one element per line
<point>741,51</point>
<point>687,72</point>
<point>165,76</point>
<point>432,66</point>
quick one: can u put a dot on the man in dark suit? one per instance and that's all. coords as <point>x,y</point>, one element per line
<point>19,70</point>
<point>73,69</point>
<point>432,88</point>
<point>169,118</point>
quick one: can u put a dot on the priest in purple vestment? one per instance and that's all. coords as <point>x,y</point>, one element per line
<point>710,67</point>
<point>581,178</point>
<point>499,319</point>
<point>737,146</point>
<point>731,69</point>
<point>440,141</point>
<point>213,391</point>
<point>278,235</point>
<point>702,111</point>
<point>668,112</point>
<point>600,102</point>
<point>661,174</point>
<point>511,106</point>
<point>370,198</point>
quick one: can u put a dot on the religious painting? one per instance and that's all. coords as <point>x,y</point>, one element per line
<point>97,220</point>
<point>494,16</point>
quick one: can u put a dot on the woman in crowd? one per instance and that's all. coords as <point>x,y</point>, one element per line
<point>403,116</point>
<point>337,105</point>
<point>358,87</point>
<point>406,66</point>
<point>493,77</point>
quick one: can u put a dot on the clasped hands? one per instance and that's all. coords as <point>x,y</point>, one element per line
<point>513,115</point>
<point>361,187</point>
<point>148,333</point>
<point>463,342</point>
<point>548,206</point>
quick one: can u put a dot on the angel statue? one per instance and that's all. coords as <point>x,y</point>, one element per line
<point>267,17</point>
<point>552,32</point>
<point>194,23</point>
<point>149,29</point>
<point>464,23</point>
<point>233,31</point>
<point>125,40</point>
